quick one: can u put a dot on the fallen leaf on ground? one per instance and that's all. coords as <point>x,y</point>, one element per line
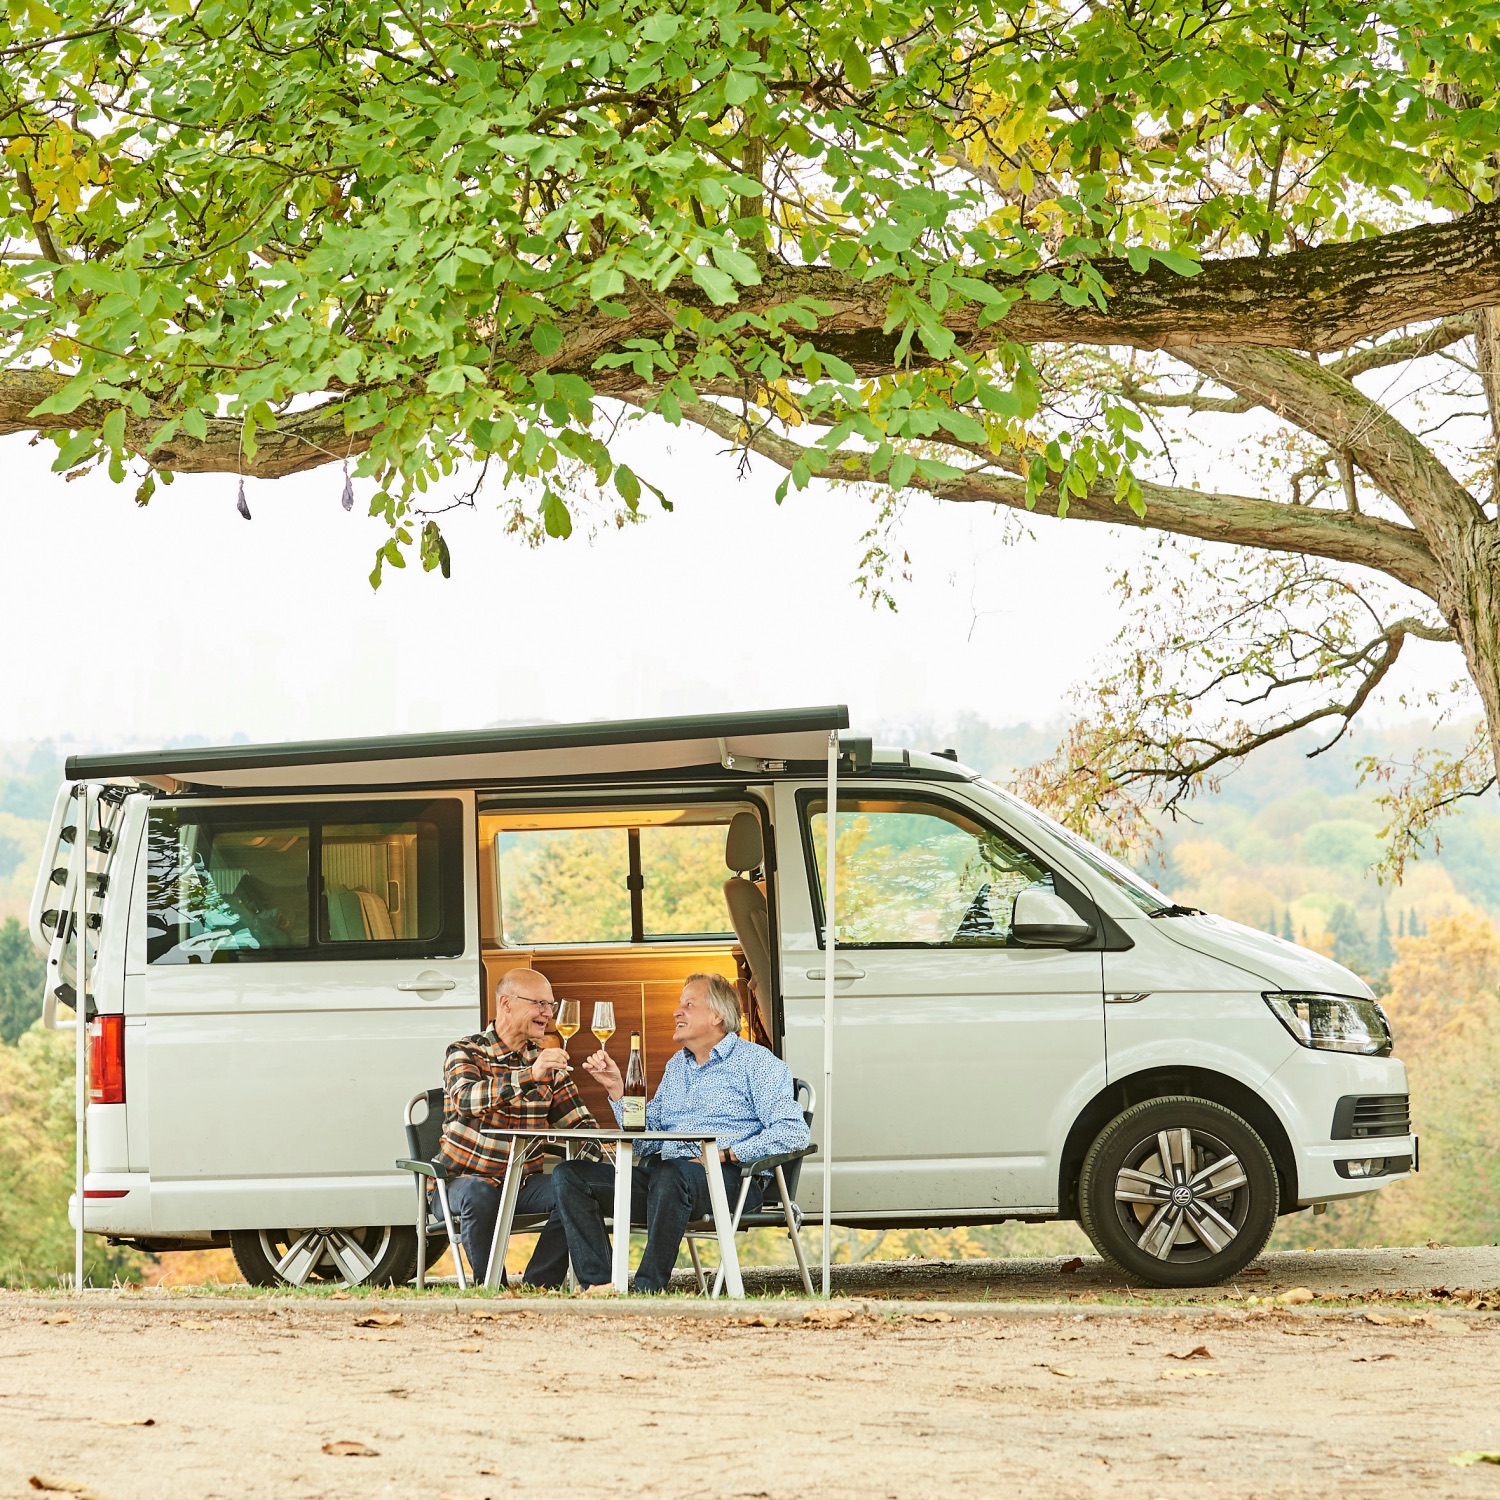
<point>1188,1375</point>
<point>338,1296</point>
<point>641,1374</point>
<point>755,1320</point>
<point>1067,1338</point>
<point>57,1318</point>
<point>1369,1359</point>
<point>198,1327</point>
<point>931,1317</point>
<point>1057,1370</point>
<point>1069,1266</point>
<point>1463,1460</point>
<point>468,1348</point>
<point>1296,1296</point>
<point>492,1469</point>
<point>82,1491</point>
<point>378,1319</point>
<point>375,1338</point>
<point>1201,1352</point>
<point>485,1315</point>
<point>348,1448</point>
<point>826,1317</point>
<point>1255,1271</point>
<point>128,1421</point>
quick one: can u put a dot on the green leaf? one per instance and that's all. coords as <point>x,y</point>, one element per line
<point>546,339</point>
<point>555,516</point>
<point>856,67</point>
<point>627,484</point>
<point>903,466</point>
<point>719,287</point>
<point>1175,260</point>
<point>113,430</point>
<point>739,87</point>
<point>737,264</point>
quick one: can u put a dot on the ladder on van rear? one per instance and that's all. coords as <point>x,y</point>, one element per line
<point>71,854</point>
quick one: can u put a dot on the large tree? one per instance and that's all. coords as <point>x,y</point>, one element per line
<point>969,250</point>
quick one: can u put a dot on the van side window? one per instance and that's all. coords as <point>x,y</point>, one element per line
<point>914,873</point>
<point>564,885</point>
<point>238,884</point>
<point>380,881</point>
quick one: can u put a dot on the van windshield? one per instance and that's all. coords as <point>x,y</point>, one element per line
<point>1121,876</point>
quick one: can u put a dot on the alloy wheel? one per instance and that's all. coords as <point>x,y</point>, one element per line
<point>303,1255</point>
<point>1181,1195</point>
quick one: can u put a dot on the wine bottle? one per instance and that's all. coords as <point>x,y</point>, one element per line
<point>633,1104</point>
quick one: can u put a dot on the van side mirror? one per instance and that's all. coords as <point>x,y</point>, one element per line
<point>1040,918</point>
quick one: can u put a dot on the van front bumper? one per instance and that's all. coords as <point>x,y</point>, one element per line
<point>1315,1094</point>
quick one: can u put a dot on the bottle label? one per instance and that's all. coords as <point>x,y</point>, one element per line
<point>633,1112</point>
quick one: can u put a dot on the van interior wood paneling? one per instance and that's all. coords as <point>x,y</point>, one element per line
<point>643,983</point>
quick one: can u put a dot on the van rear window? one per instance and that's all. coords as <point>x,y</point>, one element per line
<point>237,884</point>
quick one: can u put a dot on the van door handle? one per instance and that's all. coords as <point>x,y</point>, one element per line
<point>427,982</point>
<point>840,971</point>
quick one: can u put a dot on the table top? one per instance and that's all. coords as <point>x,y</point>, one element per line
<point>546,1134</point>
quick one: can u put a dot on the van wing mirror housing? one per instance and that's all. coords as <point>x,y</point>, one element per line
<point>1042,919</point>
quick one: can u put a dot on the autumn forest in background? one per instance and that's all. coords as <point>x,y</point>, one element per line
<point>1288,844</point>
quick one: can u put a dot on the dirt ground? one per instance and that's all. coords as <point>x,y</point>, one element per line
<point>463,1398</point>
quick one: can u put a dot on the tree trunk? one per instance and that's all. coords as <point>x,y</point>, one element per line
<point>1471,602</point>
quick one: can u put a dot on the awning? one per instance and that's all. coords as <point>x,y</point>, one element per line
<point>621,747</point>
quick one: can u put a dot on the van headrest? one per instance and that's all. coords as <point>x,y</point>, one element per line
<point>743,849</point>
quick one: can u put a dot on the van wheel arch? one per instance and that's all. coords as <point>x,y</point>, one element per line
<point>1158,1083</point>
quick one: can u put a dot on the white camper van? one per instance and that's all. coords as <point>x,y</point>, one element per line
<point>282,941</point>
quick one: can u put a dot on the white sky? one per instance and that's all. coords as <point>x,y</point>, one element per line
<point>190,620</point>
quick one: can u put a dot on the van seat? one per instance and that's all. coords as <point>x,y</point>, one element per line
<point>356,916</point>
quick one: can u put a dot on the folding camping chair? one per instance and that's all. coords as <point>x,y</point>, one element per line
<point>423,1133</point>
<point>779,1175</point>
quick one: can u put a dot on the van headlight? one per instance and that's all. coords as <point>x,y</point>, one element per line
<point>1333,1023</point>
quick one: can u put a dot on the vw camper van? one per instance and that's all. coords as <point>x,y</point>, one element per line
<point>282,940</point>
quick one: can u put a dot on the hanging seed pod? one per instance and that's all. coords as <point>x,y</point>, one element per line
<point>240,505</point>
<point>347,498</point>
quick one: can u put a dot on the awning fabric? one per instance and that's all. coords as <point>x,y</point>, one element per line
<point>622,747</point>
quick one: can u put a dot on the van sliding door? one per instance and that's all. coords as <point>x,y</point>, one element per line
<point>307,965</point>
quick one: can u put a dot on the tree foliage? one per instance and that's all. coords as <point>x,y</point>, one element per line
<point>926,248</point>
<point>21,974</point>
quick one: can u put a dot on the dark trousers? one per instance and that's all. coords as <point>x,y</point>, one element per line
<point>475,1202</point>
<point>664,1195</point>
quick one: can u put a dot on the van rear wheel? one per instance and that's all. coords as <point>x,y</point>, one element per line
<point>378,1256</point>
<point>1178,1192</point>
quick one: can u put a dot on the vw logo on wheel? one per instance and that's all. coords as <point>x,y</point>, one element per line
<point>1182,1195</point>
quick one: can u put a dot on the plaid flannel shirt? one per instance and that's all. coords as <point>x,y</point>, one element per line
<point>488,1086</point>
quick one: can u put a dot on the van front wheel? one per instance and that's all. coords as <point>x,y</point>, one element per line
<point>1178,1192</point>
<point>380,1256</point>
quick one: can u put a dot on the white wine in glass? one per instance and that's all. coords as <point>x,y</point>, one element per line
<point>567,1021</point>
<point>604,1020</point>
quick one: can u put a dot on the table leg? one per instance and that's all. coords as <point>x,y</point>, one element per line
<point>510,1191</point>
<point>728,1258</point>
<point>624,1163</point>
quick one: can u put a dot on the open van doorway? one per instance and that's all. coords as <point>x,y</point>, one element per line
<point>617,904</point>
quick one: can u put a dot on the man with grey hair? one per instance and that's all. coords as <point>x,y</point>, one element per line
<point>716,1082</point>
<point>504,1078</point>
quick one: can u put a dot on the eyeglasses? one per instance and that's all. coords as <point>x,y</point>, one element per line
<point>547,1007</point>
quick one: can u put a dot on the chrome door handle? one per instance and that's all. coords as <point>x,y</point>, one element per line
<point>839,972</point>
<point>434,982</point>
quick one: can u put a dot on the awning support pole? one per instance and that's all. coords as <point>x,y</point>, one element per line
<point>830,927</point>
<point>80,1022</point>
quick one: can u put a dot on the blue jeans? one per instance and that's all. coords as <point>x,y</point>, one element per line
<point>475,1203</point>
<point>665,1195</point>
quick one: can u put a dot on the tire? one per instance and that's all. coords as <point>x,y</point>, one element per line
<point>1164,1233</point>
<point>377,1256</point>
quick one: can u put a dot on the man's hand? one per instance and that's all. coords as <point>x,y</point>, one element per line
<point>603,1067</point>
<point>726,1154</point>
<point>551,1063</point>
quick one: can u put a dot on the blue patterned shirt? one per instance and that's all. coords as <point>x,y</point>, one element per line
<point>743,1094</point>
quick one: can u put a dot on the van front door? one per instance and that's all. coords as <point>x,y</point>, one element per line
<point>960,1059</point>
<point>306,965</point>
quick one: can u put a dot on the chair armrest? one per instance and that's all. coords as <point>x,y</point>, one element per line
<point>770,1163</point>
<point>421,1168</point>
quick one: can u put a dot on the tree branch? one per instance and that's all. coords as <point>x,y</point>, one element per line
<point>1237,520</point>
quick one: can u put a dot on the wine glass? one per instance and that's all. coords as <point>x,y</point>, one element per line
<point>567,1021</point>
<point>603,1025</point>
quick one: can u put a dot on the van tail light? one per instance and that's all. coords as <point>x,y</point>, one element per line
<point>107,1060</point>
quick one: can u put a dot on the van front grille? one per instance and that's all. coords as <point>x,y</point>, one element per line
<point>1359,1116</point>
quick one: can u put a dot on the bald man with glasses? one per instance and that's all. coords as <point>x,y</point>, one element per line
<point>503,1078</point>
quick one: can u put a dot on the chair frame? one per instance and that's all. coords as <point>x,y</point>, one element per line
<point>424,1171</point>
<point>792,1215</point>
